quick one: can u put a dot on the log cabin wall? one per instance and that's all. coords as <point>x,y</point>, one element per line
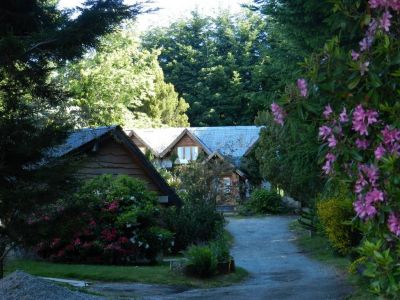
<point>113,158</point>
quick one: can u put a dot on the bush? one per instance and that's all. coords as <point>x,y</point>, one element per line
<point>196,222</point>
<point>264,201</point>
<point>220,248</point>
<point>202,261</point>
<point>114,220</point>
<point>335,217</point>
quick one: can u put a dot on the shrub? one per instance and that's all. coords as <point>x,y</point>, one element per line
<point>220,248</point>
<point>115,220</point>
<point>335,216</point>
<point>264,201</point>
<point>195,222</point>
<point>202,261</point>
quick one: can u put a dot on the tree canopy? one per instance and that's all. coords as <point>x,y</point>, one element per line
<point>35,38</point>
<point>214,64</point>
<point>119,83</point>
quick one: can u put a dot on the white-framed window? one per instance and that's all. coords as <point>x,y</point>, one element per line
<point>187,153</point>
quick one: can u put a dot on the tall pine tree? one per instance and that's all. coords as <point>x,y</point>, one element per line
<point>35,38</point>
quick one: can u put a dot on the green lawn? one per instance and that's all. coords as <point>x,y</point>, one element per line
<point>317,247</point>
<point>159,274</point>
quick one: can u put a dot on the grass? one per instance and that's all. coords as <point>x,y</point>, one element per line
<point>158,274</point>
<point>317,247</point>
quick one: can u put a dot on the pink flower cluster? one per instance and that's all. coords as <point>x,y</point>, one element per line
<point>330,158</point>
<point>394,223</point>
<point>393,4</point>
<point>109,234</point>
<point>363,118</point>
<point>278,113</point>
<point>390,144</point>
<point>113,206</point>
<point>367,191</point>
<point>302,86</point>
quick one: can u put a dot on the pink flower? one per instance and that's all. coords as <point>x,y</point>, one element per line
<point>374,196</point>
<point>278,113</point>
<point>379,152</point>
<point>330,159</point>
<point>371,172</point>
<point>327,112</point>
<point>355,55</point>
<point>364,68</point>
<point>364,209</point>
<point>343,117</point>
<point>391,140</point>
<point>77,242</point>
<point>302,86</point>
<point>362,144</point>
<point>360,184</point>
<point>394,223</point>
<point>113,206</point>
<point>385,23</point>
<point>324,132</point>
<point>332,142</point>
<point>363,118</point>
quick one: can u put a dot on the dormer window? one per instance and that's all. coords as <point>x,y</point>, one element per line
<point>188,153</point>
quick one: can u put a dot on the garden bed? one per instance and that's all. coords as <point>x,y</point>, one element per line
<point>157,274</point>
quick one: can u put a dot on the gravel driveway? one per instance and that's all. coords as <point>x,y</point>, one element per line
<point>278,270</point>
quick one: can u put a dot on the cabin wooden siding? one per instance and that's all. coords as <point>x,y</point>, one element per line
<point>113,158</point>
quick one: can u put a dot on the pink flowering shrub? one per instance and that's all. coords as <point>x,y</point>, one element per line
<point>354,106</point>
<point>113,220</point>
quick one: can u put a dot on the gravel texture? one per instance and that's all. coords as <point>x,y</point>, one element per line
<point>22,286</point>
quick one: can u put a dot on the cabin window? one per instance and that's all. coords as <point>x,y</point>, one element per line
<point>227,184</point>
<point>188,153</point>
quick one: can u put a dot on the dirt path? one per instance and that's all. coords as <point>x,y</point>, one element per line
<point>278,270</point>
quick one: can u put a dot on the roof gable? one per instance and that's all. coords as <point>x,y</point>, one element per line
<point>229,141</point>
<point>84,140</point>
<point>184,133</point>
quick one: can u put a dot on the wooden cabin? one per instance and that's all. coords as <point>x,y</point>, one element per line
<point>176,146</point>
<point>108,150</point>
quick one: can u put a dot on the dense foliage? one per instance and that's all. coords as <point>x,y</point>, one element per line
<point>114,220</point>
<point>214,64</point>
<point>264,201</point>
<point>335,215</point>
<point>351,93</point>
<point>202,261</point>
<point>35,38</point>
<point>121,84</point>
<point>197,220</point>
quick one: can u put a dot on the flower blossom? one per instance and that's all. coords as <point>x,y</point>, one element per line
<point>278,113</point>
<point>330,159</point>
<point>364,68</point>
<point>391,140</point>
<point>362,119</point>
<point>374,196</point>
<point>355,55</point>
<point>324,132</point>
<point>364,209</point>
<point>343,117</point>
<point>302,86</point>
<point>379,152</point>
<point>362,144</point>
<point>328,111</point>
<point>332,142</point>
<point>394,223</point>
<point>384,22</point>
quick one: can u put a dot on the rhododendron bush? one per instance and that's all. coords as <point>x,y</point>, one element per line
<point>350,92</point>
<point>112,220</point>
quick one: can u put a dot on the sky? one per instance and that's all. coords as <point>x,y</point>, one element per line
<point>171,10</point>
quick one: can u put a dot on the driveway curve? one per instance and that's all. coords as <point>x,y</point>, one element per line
<point>278,270</point>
